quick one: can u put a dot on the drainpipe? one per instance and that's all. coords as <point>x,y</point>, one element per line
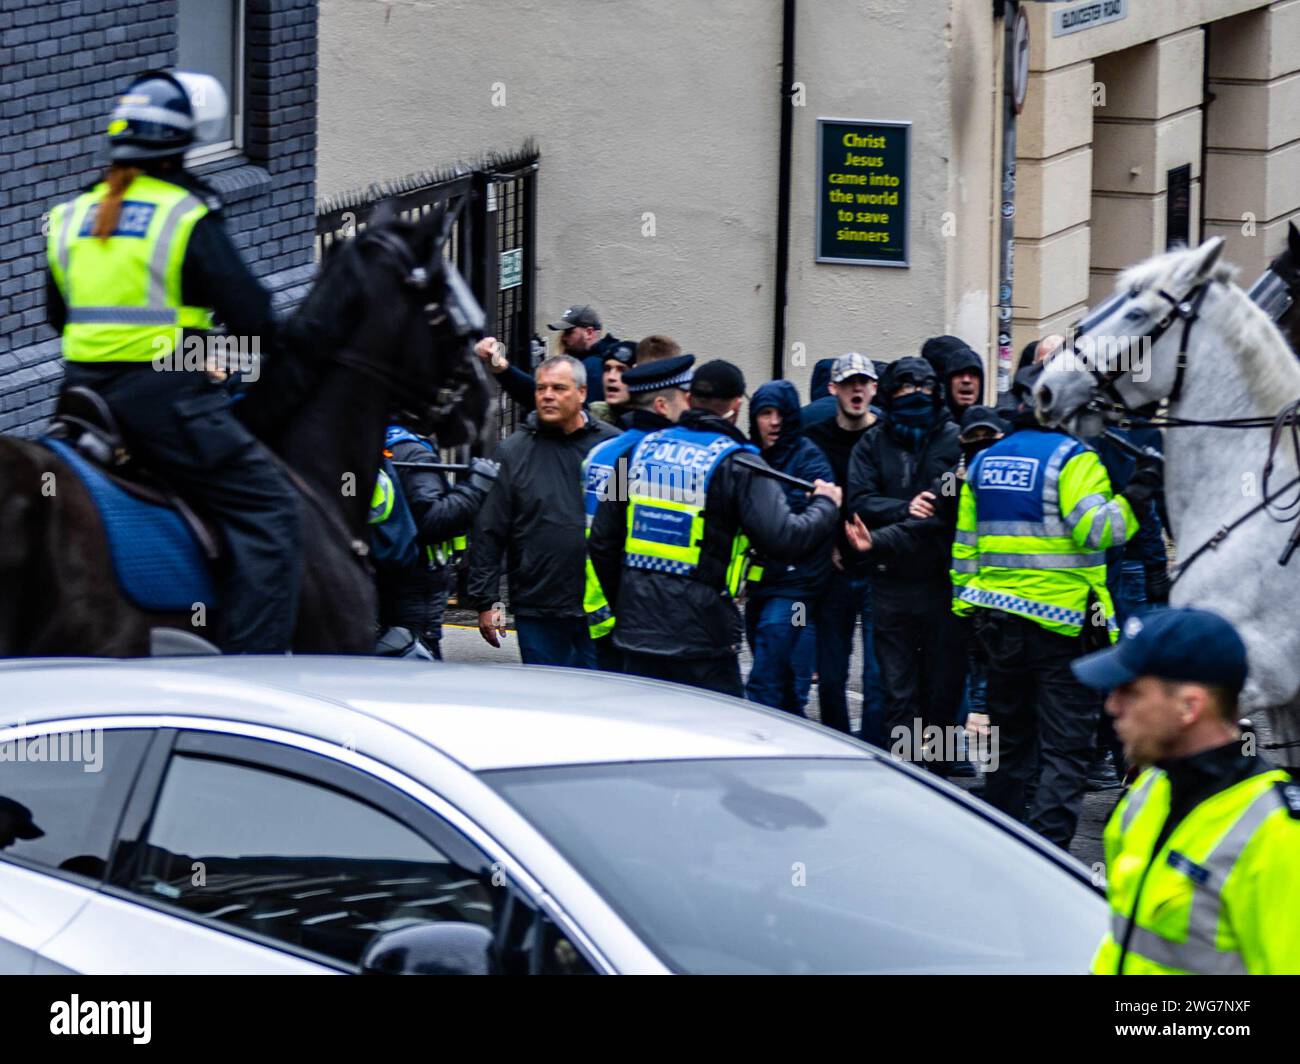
<point>783,188</point>
<point>1007,201</point>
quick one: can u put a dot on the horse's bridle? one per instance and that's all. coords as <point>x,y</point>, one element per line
<point>1187,310</point>
<point>418,277</point>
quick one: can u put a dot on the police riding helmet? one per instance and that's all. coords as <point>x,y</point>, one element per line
<point>163,113</point>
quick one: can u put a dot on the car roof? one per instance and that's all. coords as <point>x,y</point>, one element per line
<point>484,716</point>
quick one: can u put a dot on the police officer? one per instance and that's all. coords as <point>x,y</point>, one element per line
<point>657,396</point>
<point>139,264</point>
<point>1034,521</point>
<point>672,554</point>
<point>1203,853</point>
<point>414,596</point>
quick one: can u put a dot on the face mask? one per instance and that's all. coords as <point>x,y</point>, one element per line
<point>913,411</point>
<point>972,448</point>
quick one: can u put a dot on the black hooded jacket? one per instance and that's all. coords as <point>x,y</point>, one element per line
<point>950,355</point>
<point>885,474</point>
<point>792,453</point>
<point>416,598</point>
<point>821,404</point>
<point>533,522</point>
<point>680,616</point>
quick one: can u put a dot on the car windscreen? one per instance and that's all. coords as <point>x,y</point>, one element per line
<point>808,866</point>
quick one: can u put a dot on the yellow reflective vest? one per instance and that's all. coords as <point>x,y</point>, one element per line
<point>1222,894</point>
<point>123,294</point>
<point>1034,521</point>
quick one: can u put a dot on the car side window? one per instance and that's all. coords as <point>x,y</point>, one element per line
<point>297,861</point>
<point>62,794</point>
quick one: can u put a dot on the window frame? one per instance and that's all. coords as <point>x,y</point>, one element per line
<point>278,751</point>
<point>55,727</point>
<point>232,148</point>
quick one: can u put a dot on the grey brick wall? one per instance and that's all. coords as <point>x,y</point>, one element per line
<point>61,64</point>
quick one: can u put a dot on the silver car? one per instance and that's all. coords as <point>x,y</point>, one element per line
<point>328,815</point>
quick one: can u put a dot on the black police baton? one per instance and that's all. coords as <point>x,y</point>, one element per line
<point>1129,447</point>
<point>767,471</point>
<point>437,467</point>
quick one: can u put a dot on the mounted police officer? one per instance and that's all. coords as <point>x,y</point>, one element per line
<point>658,394</point>
<point>413,573</point>
<point>1035,518</point>
<point>1203,853</point>
<point>140,263</point>
<point>672,553</point>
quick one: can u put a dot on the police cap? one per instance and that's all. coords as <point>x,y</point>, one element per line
<point>654,376</point>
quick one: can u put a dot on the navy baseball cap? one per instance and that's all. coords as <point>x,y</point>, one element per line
<point>1180,645</point>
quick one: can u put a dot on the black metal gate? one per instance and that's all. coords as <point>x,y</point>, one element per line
<point>493,242</point>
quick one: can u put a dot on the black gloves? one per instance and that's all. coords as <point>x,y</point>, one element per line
<point>483,474</point>
<point>1146,480</point>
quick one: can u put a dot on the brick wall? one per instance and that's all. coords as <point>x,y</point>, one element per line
<point>61,64</point>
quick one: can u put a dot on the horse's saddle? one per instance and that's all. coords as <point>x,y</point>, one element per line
<point>161,548</point>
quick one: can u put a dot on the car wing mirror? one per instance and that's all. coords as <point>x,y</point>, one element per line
<point>431,949</point>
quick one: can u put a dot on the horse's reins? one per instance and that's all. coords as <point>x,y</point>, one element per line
<point>1188,311</point>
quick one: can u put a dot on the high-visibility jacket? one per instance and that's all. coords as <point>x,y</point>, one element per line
<point>123,294</point>
<point>1034,521</point>
<point>599,469</point>
<point>1222,894</point>
<point>437,554</point>
<point>668,484</point>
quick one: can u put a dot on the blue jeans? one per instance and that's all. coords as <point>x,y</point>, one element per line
<point>1129,591</point>
<point>555,641</point>
<point>784,653</point>
<point>847,599</point>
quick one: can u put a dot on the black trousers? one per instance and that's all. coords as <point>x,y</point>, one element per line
<point>921,656</point>
<point>1045,723</point>
<point>712,674</point>
<point>180,425</point>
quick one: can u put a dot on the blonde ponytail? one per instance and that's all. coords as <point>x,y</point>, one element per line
<point>119,178</point>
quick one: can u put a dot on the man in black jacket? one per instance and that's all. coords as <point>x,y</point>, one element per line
<point>915,444</point>
<point>960,371</point>
<point>533,521</point>
<point>674,594</point>
<point>416,597</point>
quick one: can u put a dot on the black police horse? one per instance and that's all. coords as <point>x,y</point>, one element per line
<point>387,327</point>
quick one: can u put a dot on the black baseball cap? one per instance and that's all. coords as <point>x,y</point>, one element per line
<point>718,379</point>
<point>624,352</point>
<point>578,316</point>
<point>982,417</point>
<point>21,824</point>
<point>1176,644</point>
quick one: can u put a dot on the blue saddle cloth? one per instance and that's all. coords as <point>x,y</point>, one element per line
<point>158,563</point>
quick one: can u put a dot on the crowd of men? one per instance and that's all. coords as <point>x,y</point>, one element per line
<point>640,529</point>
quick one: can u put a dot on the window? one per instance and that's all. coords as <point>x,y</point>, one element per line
<point>296,861</point>
<point>798,866</point>
<point>210,40</point>
<point>61,795</point>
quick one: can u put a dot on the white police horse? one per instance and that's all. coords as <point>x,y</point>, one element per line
<point>1178,329</point>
